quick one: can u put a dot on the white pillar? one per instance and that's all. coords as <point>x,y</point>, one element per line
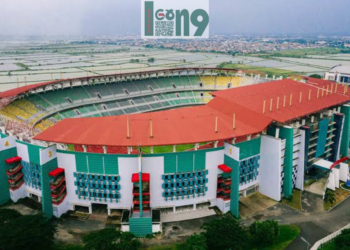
<point>174,148</point>
<point>277,135</point>
<point>85,148</point>
<point>104,149</point>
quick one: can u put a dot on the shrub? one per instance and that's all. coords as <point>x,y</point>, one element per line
<point>264,233</point>
<point>342,242</point>
<point>111,239</point>
<point>196,242</point>
<point>226,233</point>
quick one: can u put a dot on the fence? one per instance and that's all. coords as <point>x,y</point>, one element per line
<point>328,238</point>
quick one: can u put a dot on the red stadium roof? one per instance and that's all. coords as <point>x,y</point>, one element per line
<point>197,124</point>
<point>274,93</point>
<point>20,90</point>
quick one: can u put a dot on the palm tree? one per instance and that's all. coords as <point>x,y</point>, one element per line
<point>329,197</point>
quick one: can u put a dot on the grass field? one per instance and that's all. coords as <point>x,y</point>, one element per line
<point>259,70</point>
<point>295,201</point>
<point>167,149</point>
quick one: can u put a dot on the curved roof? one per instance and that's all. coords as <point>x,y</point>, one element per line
<point>24,89</point>
<point>341,69</point>
<point>197,124</point>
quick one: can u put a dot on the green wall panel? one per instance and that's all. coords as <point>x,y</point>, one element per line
<point>287,134</point>
<point>140,226</point>
<point>34,153</point>
<point>234,165</point>
<point>248,148</point>
<point>111,164</point>
<point>185,162</point>
<point>322,137</point>
<point>95,163</point>
<point>170,163</point>
<point>4,185</point>
<point>199,160</point>
<point>45,187</point>
<point>344,146</point>
<point>81,162</point>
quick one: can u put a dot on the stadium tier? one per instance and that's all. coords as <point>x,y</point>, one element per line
<point>157,94</point>
<point>134,149</point>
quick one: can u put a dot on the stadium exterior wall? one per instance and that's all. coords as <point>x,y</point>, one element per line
<point>110,179</point>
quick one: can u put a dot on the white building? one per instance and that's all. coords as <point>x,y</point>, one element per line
<point>339,74</point>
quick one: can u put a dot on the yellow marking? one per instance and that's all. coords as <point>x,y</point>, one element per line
<point>7,144</point>
<point>50,154</point>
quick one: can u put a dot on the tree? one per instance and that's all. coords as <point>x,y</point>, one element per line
<point>151,60</point>
<point>7,215</point>
<point>226,233</point>
<point>264,233</point>
<point>111,239</point>
<point>316,76</point>
<point>27,232</point>
<point>342,242</point>
<point>329,196</point>
<point>196,242</point>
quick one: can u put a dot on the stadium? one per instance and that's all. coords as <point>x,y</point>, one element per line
<point>149,144</point>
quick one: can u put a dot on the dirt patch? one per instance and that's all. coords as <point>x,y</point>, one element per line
<point>24,210</point>
<point>311,202</point>
<point>253,204</point>
<point>72,231</point>
<point>178,232</point>
<point>317,187</point>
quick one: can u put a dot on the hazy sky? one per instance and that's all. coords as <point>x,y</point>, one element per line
<point>118,17</point>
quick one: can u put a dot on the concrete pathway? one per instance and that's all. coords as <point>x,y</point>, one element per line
<point>188,215</point>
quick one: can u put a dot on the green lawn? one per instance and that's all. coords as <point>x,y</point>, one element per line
<point>167,149</point>
<point>259,70</point>
<point>287,234</point>
<point>295,201</point>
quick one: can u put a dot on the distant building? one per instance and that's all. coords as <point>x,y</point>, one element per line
<point>339,74</point>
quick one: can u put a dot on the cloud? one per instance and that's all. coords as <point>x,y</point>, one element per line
<point>118,17</point>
